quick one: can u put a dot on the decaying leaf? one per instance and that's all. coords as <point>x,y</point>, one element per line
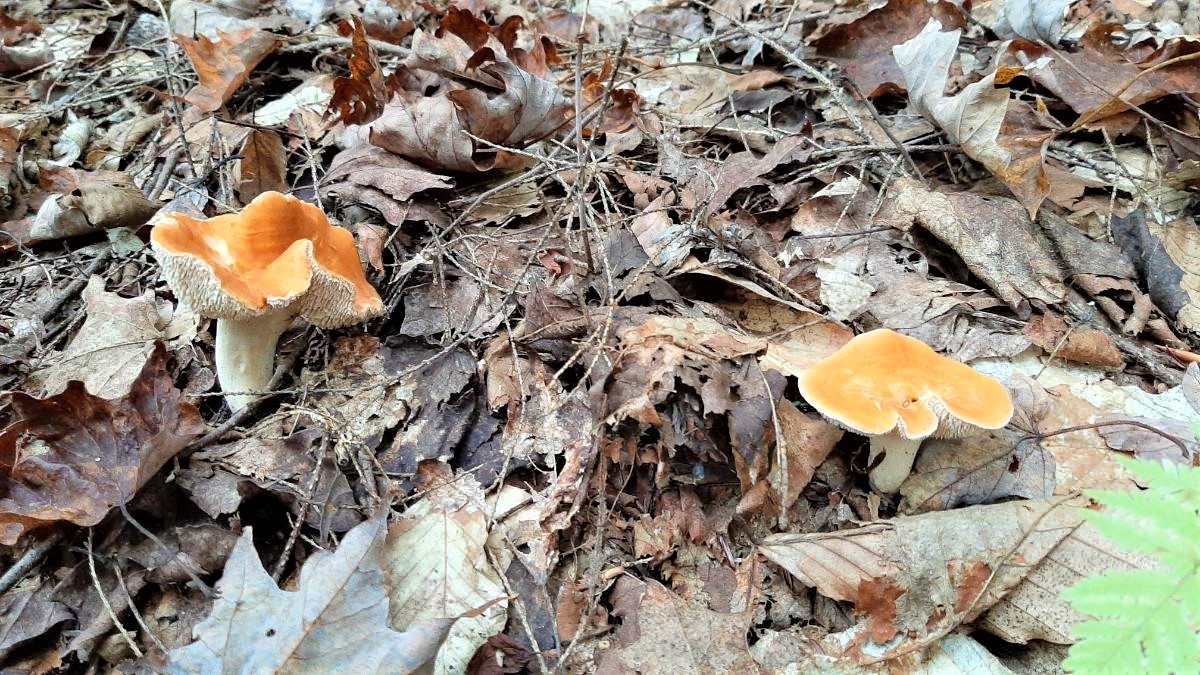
<point>436,567</point>
<point>336,619</point>
<point>91,201</point>
<point>74,456</point>
<point>263,167</point>
<point>986,232</point>
<point>656,621</point>
<point>224,64</point>
<point>991,130</point>
<point>381,180</point>
<point>953,567</point>
<point>111,348</point>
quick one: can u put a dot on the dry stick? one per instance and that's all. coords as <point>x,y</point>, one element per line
<point>305,503</point>
<point>137,616</point>
<point>174,555</point>
<point>170,77</point>
<point>330,42</point>
<point>104,599</point>
<point>1179,443</point>
<point>839,96</point>
<point>28,560</point>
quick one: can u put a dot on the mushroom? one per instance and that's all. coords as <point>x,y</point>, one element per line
<point>254,272</point>
<point>898,391</point>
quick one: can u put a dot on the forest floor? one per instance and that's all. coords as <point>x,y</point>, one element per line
<point>609,237</point>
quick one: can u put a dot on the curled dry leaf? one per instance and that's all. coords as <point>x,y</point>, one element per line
<point>359,99</point>
<point>433,131</point>
<point>224,64</point>
<point>74,456</point>
<point>92,201</point>
<point>1105,77</point>
<point>336,619</point>
<point>980,118</point>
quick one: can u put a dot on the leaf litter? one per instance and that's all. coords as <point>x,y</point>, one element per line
<point>607,245</point>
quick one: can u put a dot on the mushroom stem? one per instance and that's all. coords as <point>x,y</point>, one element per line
<point>898,455</point>
<point>246,355</point>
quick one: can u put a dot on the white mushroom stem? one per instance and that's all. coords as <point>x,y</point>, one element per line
<point>246,355</point>
<point>898,455</point>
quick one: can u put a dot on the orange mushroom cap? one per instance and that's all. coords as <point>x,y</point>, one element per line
<point>278,252</point>
<point>883,381</point>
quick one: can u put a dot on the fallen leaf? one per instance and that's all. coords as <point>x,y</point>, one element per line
<point>263,166</point>
<point>954,567</point>
<point>1028,19</point>
<point>863,48</point>
<point>1166,258</point>
<point>804,442</point>
<point>28,612</point>
<point>13,29</point>
<point>336,619</point>
<point>112,347</point>
<point>980,118</point>
<point>91,201</point>
<point>981,469</point>
<point>661,633</point>
<point>75,456</point>
<point>223,64</point>
<point>381,180</point>
<point>430,130</point>
<point>1074,343</point>
<point>359,99</point>
<point>1106,77</point>
<point>436,567</point>
<point>986,232</point>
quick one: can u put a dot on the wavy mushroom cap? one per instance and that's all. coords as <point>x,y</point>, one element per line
<point>883,381</point>
<point>277,253</point>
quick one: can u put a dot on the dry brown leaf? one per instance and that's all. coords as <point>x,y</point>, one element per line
<point>1105,77</point>
<point>359,99</point>
<point>13,29</point>
<point>994,237</point>
<point>804,442</point>
<point>224,64</point>
<point>91,201</point>
<point>16,60</point>
<point>263,166</point>
<point>430,130</point>
<point>952,568</point>
<point>381,180</point>
<point>28,612</point>
<point>863,48</point>
<point>111,348</point>
<point>663,634</point>
<point>1074,343</point>
<point>991,130</point>
<point>74,456</point>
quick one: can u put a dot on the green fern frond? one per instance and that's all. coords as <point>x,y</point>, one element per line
<point>1144,621</point>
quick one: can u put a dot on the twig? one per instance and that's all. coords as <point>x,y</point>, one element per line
<point>305,503</point>
<point>112,614</point>
<point>243,414</point>
<point>28,560</point>
<point>174,555</point>
<point>137,616</point>
<point>1179,443</point>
